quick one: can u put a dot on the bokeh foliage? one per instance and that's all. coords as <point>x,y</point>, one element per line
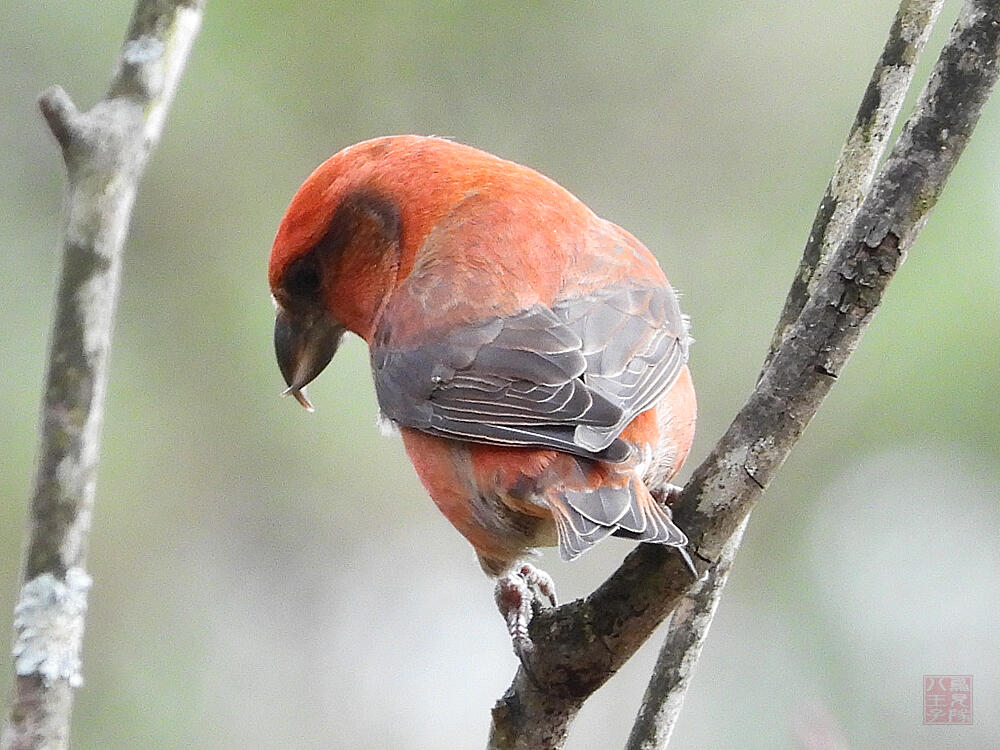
<point>267,578</point>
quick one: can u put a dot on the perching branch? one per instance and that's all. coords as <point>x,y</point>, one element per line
<point>579,646</point>
<point>105,151</point>
<point>852,177</point>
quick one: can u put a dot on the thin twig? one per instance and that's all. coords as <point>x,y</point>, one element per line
<point>852,177</point>
<point>687,628</point>
<point>105,151</point>
<point>582,644</point>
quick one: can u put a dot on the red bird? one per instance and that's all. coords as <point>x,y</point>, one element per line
<point>532,354</point>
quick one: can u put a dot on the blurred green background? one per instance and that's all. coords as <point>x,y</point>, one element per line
<point>268,578</point>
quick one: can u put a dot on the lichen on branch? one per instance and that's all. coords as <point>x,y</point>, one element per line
<point>105,150</point>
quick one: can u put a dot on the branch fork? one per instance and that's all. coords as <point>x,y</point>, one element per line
<point>850,258</point>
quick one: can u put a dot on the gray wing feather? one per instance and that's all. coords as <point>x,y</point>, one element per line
<point>638,343</point>
<point>570,377</point>
<point>605,505</point>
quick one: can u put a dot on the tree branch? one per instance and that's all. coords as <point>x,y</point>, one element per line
<point>105,151</point>
<point>580,645</point>
<point>852,177</point>
<point>687,627</point>
<point>861,153</point>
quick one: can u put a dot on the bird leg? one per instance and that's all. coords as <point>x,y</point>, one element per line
<point>517,594</point>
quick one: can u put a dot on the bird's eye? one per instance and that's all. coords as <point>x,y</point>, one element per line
<point>302,279</point>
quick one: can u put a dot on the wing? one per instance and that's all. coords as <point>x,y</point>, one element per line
<point>569,377</point>
<point>635,342</point>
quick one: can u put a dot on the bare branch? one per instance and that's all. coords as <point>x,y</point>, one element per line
<point>852,177</point>
<point>861,153</point>
<point>61,115</point>
<point>105,151</point>
<point>687,628</point>
<point>582,644</point>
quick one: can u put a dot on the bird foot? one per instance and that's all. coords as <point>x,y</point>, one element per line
<point>667,494</point>
<point>517,594</point>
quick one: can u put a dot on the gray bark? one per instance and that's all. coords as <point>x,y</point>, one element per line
<point>687,627</point>
<point>579,646</point>
<point>852,178</point>
<point>105,151</point>
<point>859,158</point>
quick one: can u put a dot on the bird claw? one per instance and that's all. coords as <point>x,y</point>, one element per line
<point>541,584</point>
<point>517,594</point>
<point>667,494</point>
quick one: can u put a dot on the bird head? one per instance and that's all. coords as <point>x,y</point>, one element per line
<point>333,264</point>
<point>351,235</point>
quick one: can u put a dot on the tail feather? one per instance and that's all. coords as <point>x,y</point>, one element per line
<point>629,511</point>
<point>661,528</point>
<point>606,505</point>
<point>634,521</point>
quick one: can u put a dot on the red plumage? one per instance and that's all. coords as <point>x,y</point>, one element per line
<point>532,354</point>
